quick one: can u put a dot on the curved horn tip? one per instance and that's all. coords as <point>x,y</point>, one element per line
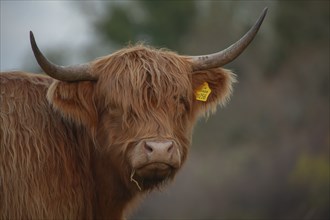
<point>31,35</point>
<point>265,10</point>
<point>263,14</point>
<point>230,53</point>
<point>34,45</point>
<point>32,39</point>
<point>80,72</point>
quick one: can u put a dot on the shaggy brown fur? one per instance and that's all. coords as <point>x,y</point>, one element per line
<point>67,148</point>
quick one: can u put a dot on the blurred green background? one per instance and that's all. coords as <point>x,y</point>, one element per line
<point>266,154</point>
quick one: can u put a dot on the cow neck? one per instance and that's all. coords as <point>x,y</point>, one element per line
<point>112,196</point>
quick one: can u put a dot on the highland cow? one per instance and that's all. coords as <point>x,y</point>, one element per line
<point>88,140</point>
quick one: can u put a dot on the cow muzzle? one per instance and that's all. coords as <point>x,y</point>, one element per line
<point>154,161</point>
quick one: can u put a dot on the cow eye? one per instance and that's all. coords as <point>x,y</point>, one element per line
<point>185,103</point>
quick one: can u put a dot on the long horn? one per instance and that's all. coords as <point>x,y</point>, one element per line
<point>72,73</point>
<point>229,54</point>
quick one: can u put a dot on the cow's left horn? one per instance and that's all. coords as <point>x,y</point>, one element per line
<point>72,73</point>
<point>229,54</point>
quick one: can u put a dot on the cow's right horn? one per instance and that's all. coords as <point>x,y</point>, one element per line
<point>72,73</point>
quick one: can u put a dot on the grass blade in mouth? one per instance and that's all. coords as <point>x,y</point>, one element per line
<point>133,180</point>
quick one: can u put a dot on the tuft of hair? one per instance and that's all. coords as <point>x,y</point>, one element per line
<point>138,73</point>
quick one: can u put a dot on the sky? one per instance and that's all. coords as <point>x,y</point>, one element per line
<point>53,23</point>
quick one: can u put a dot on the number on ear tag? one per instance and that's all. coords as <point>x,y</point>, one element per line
<point>203,92</point>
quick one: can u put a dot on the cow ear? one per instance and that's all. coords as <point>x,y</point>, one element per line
<point>74,101</point>
<point>211,88</point>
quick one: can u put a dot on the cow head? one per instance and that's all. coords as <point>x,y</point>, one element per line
<point>140,104</point>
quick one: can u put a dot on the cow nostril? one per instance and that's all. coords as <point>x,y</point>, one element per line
<point>170,148</point>
<point>159,148</point>
<point>148,148</point>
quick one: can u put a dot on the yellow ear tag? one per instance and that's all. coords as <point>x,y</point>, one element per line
<point>203,92</point>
